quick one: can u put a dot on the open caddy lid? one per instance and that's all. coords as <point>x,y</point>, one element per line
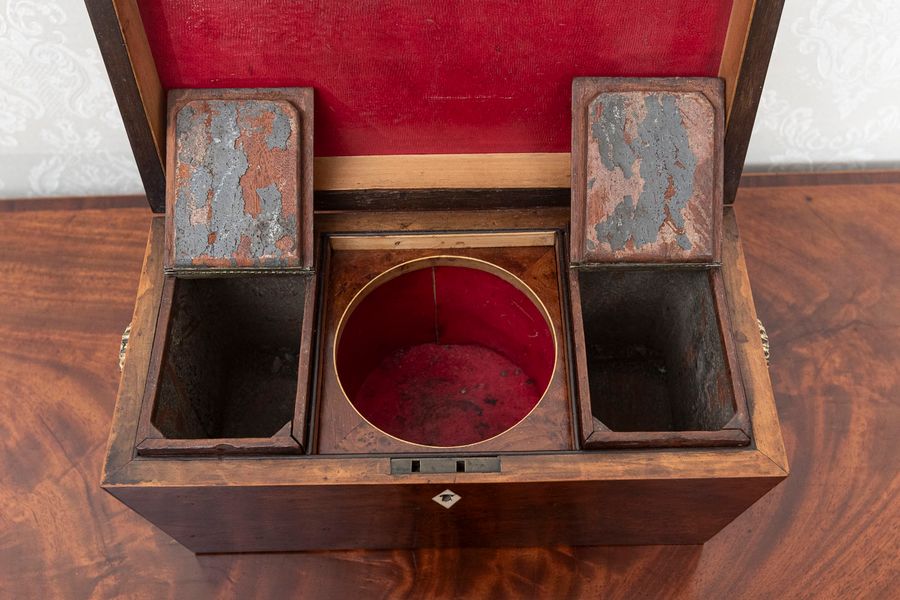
<point>239,191</point>
<point>646,170</point>
<point>409,93</point>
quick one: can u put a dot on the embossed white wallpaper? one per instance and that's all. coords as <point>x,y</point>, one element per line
<point>830,100</point>
<point>831,94</point>
<point>60,129</point>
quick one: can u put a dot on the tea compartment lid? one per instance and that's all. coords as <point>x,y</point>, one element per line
<point>647,163</point>
<point>239,180</point>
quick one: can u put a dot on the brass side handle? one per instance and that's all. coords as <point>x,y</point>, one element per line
<point>124,346</point>
<point>764,338</point>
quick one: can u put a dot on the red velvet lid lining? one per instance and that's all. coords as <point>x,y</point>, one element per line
<point>429,77</point>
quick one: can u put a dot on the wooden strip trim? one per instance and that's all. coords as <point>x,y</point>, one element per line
<point>441,199</point>
<point>277,444</point>
<point>811,179</point>
<point>453,171</point>
<point>135,82</point>
<point>740,421</point>
<point>587,424</point>
<point>750,76</point>
<point>120,449</point>
<point>158,345</point>
<point>368,470</point>
<point>152,95</point>
<point>443,241</point>
<point>751,360</point>
<point>666,439</point>
<point>303,397</point>
<point>735,42</point>
<point>72,203</point>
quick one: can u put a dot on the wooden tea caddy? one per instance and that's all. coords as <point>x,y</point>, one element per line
<point>462,216</point>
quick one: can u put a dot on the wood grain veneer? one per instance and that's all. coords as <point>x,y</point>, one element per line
<point>317,501</point>
<point>351,262</point>
<point>828,299</point>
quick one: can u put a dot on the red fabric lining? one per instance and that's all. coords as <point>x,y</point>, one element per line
<point>446,361</point>
<point>449,76</point>
<point>476,307</point>
<point>394,315</point>
<point>446,395</point>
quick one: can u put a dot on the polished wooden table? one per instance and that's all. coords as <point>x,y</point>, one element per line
<point>824,259</point>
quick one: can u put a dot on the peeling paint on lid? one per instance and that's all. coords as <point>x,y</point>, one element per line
<point>235,201</point>
<point>650,177</point>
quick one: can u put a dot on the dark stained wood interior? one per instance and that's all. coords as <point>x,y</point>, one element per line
<point>230,363</point>
<point>655,355</point>
<point>822,260</point>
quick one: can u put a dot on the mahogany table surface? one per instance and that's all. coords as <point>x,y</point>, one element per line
<point>823,261</point>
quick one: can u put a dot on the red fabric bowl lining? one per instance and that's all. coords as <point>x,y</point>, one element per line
<point>445,355</point>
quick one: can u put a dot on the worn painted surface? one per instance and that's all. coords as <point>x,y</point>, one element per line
<point>650,177</point>
<point>236,184</point>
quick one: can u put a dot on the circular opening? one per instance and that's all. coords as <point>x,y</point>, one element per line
<point>445,351</point>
